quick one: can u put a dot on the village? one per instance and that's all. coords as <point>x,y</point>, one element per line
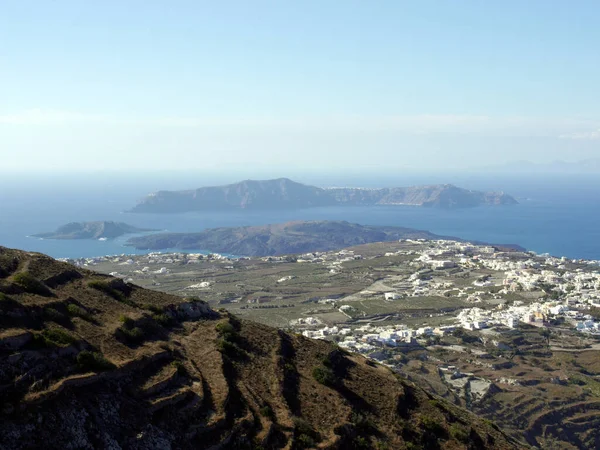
<point>561,292</point>
<point>496,288</point>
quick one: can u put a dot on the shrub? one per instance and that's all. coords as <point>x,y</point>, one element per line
<point>433,425</point>
<point>225,329</point>
<point>133,335</point>
<point>93,361</point>
<point>38,341</point>
<point>361,442</point>
<point>227,342</point>
<point>53,314</point>
<point>7,265</point>
<point>267,411</point>
<point>7,303</point>
<point>178,365</point>
<point>126,321</point>
<point>106,287</point>
<point>364,425</point>
<point>153,308</point>
<point>459,433</point>
<point>324,375</point>
<point>78,311</point>
<point>163,319</point>
<point>305,441</point>
<point>58,337</point>
<point>229,348</point>
<point>31,284</point>
<point>305,435</point>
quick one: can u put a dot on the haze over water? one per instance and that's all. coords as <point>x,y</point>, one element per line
<point>558,214</point>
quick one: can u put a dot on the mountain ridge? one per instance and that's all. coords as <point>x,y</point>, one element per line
<point>283,193</point>
<point>282,239</point>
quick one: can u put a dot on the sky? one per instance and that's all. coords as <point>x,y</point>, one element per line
<point>297,85</point>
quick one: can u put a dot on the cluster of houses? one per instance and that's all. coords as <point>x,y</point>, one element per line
<point>152,258</point>
<point>559,288</point>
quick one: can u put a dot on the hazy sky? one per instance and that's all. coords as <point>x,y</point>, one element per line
<point>295,84</point>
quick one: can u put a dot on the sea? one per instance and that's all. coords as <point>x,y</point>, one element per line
<point>557,214</point>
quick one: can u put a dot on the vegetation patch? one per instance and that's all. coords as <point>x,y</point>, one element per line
<point>54,315</point>
<point>305,436</point>
<point>78,311</point>
<point>7,303</point>
<point>163,319</point>
<point>7,265</point>
<point>363,424</point>
<point>32,285</point>
<point>459,433</point>
<point>267,411</point>
<point>131,335</point>
<point>93,362</point>
<point>107,287</point>
<point>51,337</point>
<point>228,340</point>
<point>153,308</point>
<point>179,367</point>
<point>433,425</point>
<point>324,373</point>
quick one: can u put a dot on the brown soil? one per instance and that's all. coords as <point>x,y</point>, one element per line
<point>87,361</point>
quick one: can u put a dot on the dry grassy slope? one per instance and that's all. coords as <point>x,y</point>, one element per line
<point>87,361</point>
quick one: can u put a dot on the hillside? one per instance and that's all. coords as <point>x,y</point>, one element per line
<point>286,238</point>
<point>91,230</point>
<point>283,193</point>
<point>278,239</point>
<point>88,361</point>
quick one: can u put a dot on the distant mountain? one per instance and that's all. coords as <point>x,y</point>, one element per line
<point>283,193</point>
<point>281,239</point>
<point>91,230</point>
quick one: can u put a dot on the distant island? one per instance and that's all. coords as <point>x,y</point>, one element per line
<point>92,230</point>
<point>281,239</point>
<point>283,193</point>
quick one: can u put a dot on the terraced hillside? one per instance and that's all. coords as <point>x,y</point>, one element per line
<point>546,394</point>
<point>88,361</point>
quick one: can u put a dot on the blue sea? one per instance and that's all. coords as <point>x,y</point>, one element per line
<point>557,214</point>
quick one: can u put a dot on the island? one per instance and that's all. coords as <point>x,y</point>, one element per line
<point>283,193</point>
<point>92,230</point>
<point>280,239</point>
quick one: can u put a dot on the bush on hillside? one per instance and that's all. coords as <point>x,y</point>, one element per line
<point>31,284</point>
<point>93,361</point>
<point>58,337</point>
<point>78,311</point>
<point>324,375</point>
